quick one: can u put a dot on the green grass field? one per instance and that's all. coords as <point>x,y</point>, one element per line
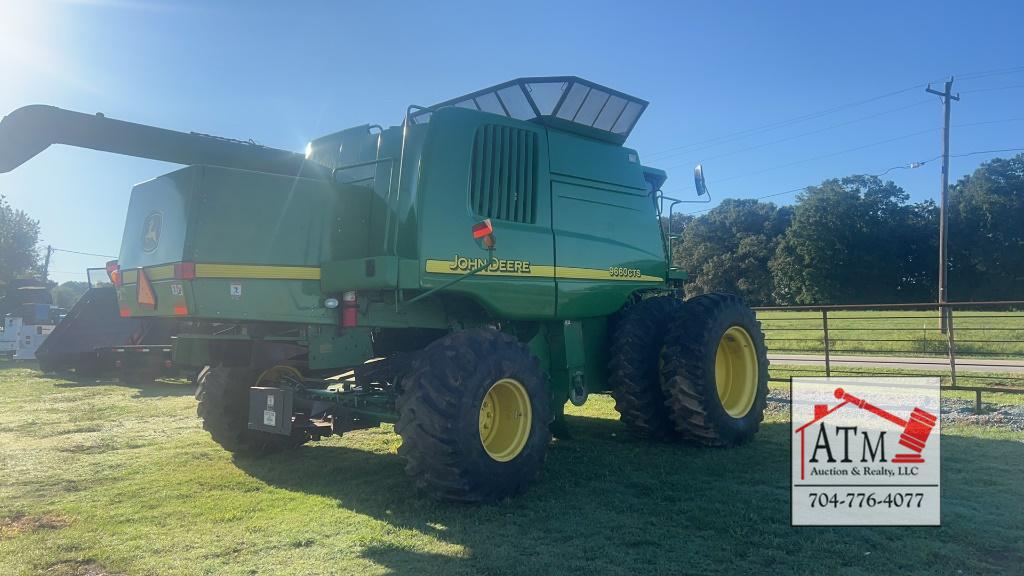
<point>100,479</point>
<point>896,333</point>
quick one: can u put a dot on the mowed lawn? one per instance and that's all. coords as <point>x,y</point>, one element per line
<point>100,479</point>
<point>895,333</point>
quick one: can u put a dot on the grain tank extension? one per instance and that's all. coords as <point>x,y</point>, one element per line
<point>462,275</point>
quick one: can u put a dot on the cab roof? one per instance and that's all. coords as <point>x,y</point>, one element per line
<point>567,103</point>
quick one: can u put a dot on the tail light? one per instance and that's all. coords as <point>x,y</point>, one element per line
<point>185,271</point>
<point>349,309</point>
<point>114,272</point>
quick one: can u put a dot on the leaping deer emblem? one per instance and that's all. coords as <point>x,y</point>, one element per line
<point>151,237</point>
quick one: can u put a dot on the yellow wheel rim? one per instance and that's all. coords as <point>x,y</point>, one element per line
<point>505,419</point>
<point>736,372</point>
<point>273,375</point>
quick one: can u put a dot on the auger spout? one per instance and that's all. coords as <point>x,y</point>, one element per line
<point>29,130</point>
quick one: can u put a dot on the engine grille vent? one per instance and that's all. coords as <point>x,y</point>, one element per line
<point>503,177</point>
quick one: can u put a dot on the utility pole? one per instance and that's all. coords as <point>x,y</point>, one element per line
<point>947,97</point>
<point>46,263</point>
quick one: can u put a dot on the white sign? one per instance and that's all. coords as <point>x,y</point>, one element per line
<point>865,451</point>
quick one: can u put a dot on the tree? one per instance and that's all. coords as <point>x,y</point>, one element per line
<point>19,236</point>
<point>728,249</point>
<point>986,238</point>
<point>68,293</point>
<point>855,240</point>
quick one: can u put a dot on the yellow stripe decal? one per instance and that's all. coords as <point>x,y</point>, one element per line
<point>155,273</point>
<point>253,271</point>
<point>539,271</point>
<point>166,272</point>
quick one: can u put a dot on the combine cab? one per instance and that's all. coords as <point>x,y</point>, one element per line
<point>462,275</point>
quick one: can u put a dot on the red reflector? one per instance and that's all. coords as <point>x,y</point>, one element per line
<point>181,310</point>
<point>482,229</point>
<point>146,297</point>
<point>125,312</point>
<point>349,317</point>
<point>185,270</point>
<point>349,309</point>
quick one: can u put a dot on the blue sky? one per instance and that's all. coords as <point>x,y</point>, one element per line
<point>725,80</point>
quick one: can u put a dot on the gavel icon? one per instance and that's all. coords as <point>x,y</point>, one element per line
<point>915,430</point>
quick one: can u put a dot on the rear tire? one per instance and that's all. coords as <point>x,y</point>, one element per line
<point>715,371</point>
<point>223,395</point>
<point>633,377</point>
<point>474,416</point>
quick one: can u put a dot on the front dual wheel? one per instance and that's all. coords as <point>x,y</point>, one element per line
<point>474,417</point>
<point>696,370</point>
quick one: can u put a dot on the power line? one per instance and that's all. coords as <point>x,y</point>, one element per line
<point>830,155</point>
<point>707,143</point>
<point>83,253</point>
<point>773,195</point>
<point>910,166</point>
<point>904,166</point>
<point>787,122</point>
<point>811,133</point>
<point>988,73</point>
<point>986,152</point>
<point>993,89</point>
<point>987,122</point>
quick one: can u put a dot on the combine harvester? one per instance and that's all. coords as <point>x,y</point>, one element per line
<point>472,270</point>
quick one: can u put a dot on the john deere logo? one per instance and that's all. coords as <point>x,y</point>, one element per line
<point>151,231</point>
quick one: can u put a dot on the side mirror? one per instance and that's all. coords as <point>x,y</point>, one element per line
<point>698,181</point>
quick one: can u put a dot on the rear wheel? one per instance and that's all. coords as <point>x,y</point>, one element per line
<point>715,371</point>
<point>474,417</point>
<point>636,339</point>
<point>223,395</point>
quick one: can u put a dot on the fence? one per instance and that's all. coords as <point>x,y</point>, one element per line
<point>982,349</point>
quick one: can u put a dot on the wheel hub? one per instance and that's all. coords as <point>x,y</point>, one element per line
<point>736,372</point>
<point>505,420</point>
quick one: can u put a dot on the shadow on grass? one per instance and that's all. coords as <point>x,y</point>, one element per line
<point>160,388</point>
<point>609,504</point>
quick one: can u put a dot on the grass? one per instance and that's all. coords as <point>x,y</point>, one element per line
<point>896,333</point>
<point>100,478</point>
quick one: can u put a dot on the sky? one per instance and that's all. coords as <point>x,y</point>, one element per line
<point>769,96</point>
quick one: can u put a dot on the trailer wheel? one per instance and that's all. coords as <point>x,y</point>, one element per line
<point>633,376</point>
<point>715,371</point>
<point>474,416</point>
<point>223,395</point>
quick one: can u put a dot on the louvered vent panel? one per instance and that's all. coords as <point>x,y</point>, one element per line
<point>503,177</point>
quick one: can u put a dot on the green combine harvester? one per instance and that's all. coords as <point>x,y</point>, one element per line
<point>463,276</point>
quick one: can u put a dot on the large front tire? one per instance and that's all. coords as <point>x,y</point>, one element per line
<point>715,371</point>
<point>474,417</point>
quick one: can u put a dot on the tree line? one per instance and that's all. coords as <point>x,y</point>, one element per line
<point>858,240</point>
<point>20,258</point>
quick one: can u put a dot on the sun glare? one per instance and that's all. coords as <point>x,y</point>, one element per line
<point>29,45</point>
